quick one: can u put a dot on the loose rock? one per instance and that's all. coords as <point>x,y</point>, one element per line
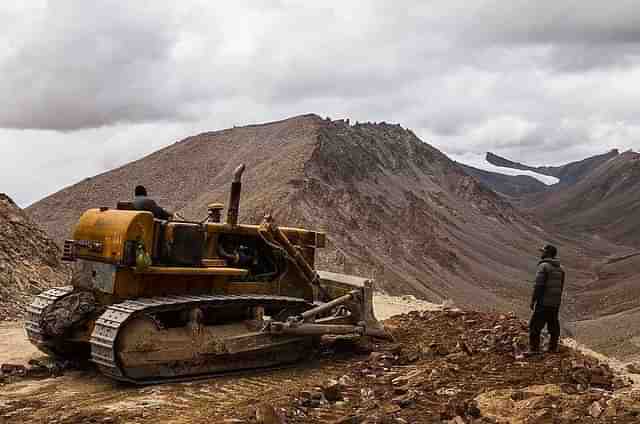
<point>332,391</point>
<point>595,410</point>
<point>266,414</point>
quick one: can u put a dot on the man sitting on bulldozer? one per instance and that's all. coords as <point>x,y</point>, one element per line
<point>143,203</point>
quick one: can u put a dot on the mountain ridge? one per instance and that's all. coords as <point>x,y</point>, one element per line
<point>603,202</point>
<point>394,207</point>
<point>568,173</point>
<point>595,195</point>
<point>511,186</point>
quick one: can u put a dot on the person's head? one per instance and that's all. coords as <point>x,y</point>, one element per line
<point>140,191</point>
<point>548,251</point>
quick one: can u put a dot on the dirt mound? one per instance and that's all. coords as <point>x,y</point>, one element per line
<point>443,365</point>
<point>29,259</point>
<point>466,367</point>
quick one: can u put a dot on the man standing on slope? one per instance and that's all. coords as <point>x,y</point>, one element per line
<point>546,299</point>
<point>143,203</point>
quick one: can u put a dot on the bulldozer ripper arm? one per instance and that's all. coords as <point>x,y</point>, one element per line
<point>360,319</point>
<point>274,235</point>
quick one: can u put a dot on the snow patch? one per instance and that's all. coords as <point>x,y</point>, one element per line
<point>480,161</point>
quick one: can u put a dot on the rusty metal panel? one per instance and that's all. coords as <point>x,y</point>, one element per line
<point>103,277</point>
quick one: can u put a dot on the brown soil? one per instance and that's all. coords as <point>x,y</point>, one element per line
<point>443,364</point>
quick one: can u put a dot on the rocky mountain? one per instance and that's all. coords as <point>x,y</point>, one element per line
<point>511,186</point>
<point>568,174</point>
<point>605,202</point>
<point>29,259</point>
<point>596,195</point>
<point>394,207</point>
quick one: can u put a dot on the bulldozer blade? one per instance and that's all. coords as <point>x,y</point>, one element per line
<point>334,282</point>
<point>354,293</point>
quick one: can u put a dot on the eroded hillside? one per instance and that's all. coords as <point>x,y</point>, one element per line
<point>29,259</point>
<point>604,202</point>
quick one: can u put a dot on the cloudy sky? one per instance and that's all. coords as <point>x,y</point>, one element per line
<point>90,85</point>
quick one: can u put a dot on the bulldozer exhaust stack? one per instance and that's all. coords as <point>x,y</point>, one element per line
<point>234,196</point>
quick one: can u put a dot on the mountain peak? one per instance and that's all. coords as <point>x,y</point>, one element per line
<point>393,206</point>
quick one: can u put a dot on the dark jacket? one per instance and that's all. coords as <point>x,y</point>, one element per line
<point>549,283</point>
<point>143,203</point>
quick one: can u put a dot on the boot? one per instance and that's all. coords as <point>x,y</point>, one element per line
<point>553,346</point>
<point>534,346</point>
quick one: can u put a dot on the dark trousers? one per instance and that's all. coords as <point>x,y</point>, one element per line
<point>544,315</point>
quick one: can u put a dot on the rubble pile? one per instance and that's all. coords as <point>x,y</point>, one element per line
<point>35,369</point>
<point>463,367</point>
<point>29,260</point>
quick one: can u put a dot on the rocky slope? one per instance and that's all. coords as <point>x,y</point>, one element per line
<point>595,196</point>
<point>610,308</point>
<point>455,367</point>
<point>29,259</point>
<point>605,201</point>
<point>512,186</point>
<point>568,174</point>
<point>394,207</point>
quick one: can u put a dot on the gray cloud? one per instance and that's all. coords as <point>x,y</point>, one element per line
<point>577,35</point>
<point>88,64</point>
<point>91,85</point>
<point>552,22</point>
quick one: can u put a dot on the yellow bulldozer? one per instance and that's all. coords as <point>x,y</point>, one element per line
<point>155,300</point>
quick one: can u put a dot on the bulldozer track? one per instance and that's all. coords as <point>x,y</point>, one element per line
<point>105,334</point>
<point>34,314</point>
